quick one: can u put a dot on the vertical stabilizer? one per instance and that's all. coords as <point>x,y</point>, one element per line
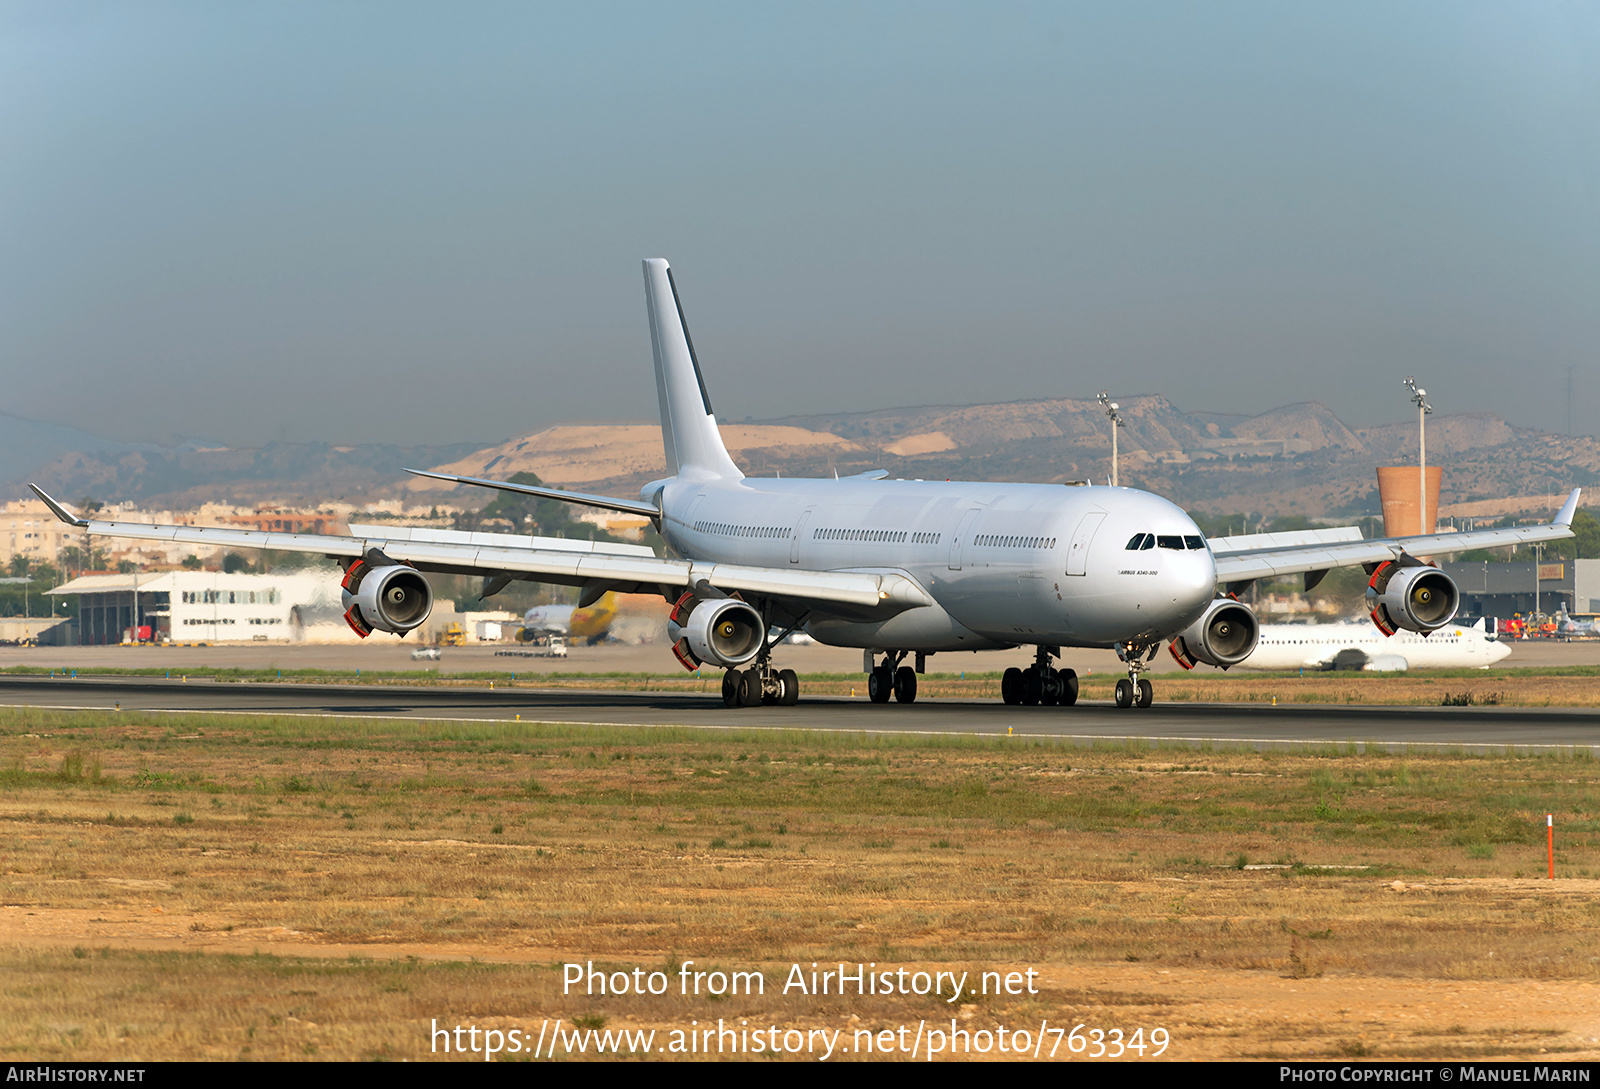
<point>688,426</point>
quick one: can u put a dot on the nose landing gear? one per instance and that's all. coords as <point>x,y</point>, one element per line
<point>1135,691</point>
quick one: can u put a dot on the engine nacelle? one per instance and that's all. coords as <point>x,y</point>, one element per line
<point>394,598</point>
<point>1224,636</point>
<point>725,632</point>
<point>1410,594</point>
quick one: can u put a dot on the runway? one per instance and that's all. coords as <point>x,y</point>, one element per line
<point>1471,728</point>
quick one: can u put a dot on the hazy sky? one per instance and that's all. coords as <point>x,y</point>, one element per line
<point>388,223</point>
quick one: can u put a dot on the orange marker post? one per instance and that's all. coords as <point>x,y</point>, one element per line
<point>1550,838</point>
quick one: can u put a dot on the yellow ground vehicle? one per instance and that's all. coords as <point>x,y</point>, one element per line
<point>454,636</point>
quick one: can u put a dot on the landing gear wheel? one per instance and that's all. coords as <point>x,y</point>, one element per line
<point>880,685</point>
<point>1146,695</point>
<point>731,680</point>
<point>1069,687</point>
<point>1124,693</point>
<point>1011,686</point>
<point>750,688</point>
<point>789,683</point>
<point>905,685</point>
<point>1032,687</point>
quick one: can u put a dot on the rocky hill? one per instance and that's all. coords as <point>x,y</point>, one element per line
<point>294,474</point>
<point>1298,459</point>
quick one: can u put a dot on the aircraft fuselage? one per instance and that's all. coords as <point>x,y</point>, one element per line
<point>1006,564</point>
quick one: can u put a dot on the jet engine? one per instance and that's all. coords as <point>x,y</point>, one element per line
<point>722,631</point>
<point>393,598</point>
<point>1407,593</point>
<point>1224,636</point>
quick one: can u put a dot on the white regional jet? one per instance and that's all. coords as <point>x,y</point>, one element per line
<point>899,568</point>
<point>1357,645</point>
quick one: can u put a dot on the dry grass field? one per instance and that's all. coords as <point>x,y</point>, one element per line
<point>277,887</point>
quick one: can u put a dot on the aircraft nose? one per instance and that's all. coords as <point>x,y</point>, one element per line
<point>1190,583</point>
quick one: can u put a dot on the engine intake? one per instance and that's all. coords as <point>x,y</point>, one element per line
<point>1224,636</point>
<point>393,598</point>
<point>1407,593</point>
<point>725,632</point>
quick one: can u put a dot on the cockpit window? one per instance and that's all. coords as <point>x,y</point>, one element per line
<point>1142,541</point>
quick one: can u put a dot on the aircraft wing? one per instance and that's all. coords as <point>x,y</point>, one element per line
<point>541,559</point>
<point>1239,562</point>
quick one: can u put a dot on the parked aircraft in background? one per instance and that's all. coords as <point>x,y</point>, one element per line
<point>901,569</point>
<point>1568,628</point>
<point>1359,645</point>
<point>589,624</point>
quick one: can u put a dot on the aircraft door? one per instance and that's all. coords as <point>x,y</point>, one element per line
<point>675,543</point>
<point>959,537</point>
<point>1078,550</point>
<point>800,528</point>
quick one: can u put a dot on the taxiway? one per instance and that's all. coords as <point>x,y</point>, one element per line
<point>1470,728</point>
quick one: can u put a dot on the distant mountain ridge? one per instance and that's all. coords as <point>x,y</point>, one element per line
<point>1297,459</point>
<point>72,464</point>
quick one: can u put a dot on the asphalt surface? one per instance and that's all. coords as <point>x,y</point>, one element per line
<point>388,654</point>
<point>1249,724</point>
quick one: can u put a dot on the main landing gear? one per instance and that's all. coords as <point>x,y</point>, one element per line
<point>1040,683</point>
<point>1135,691</point>
<point>890,678</point>
<point>760,686</point>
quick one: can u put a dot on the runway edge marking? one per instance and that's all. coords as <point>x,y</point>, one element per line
<point>1553,746</point>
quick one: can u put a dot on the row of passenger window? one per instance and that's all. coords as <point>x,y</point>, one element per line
<point>888,536</point>
<point>723,529</point>
<point>1142,541</point>
<point>995,541</point>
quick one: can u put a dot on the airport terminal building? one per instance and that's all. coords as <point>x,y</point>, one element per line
<point>198,607</point>
<point>1506,589</point>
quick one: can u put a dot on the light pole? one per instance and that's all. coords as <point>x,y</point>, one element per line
<point>1419,397</point>
<point>1116,422</point>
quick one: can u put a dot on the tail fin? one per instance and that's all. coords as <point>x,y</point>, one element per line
<point>688,426</point>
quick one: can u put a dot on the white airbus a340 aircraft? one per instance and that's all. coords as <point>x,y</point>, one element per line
<point>899,568</point>
<point>1353,644</point>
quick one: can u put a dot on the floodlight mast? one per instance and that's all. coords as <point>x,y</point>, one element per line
<point>1419,397</point>
<point>1116,422</point>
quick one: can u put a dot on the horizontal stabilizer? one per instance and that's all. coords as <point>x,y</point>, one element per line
<point>604,502</point>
